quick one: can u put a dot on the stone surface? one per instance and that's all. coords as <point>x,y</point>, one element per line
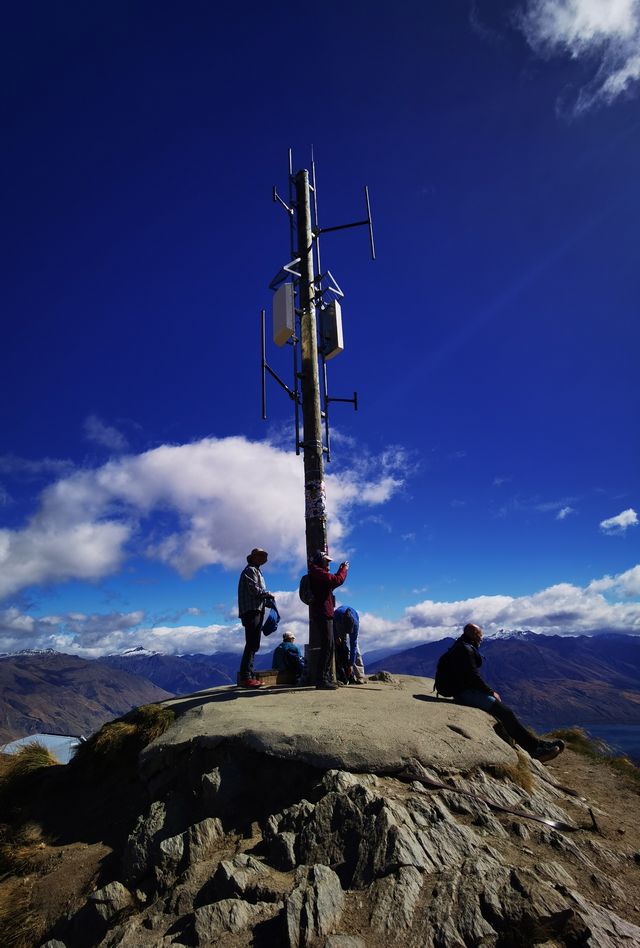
<point>345,941</point>
<point>394,899</point>
<point>110,899</point>
<point>314,907</point>
<point>306,725</point>
<point>227,917</point>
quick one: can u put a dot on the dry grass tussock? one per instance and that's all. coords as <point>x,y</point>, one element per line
<point>20,845</point>
<point>20,927</point>
<point>580,742</point>
<point>519,773</point>
<point>119,742</point>
<point>16,770</point>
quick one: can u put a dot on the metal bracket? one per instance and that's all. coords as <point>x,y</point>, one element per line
<point>278,199</point>
<point>281,275</point>
<point>366,223</point>
<point>332,288</point>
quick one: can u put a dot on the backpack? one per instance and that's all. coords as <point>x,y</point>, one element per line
<point>304,590</point>
<point>445,674</point>
<point>271,619</point>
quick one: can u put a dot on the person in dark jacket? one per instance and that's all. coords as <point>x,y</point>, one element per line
<point>322,585</point>
<point>470,688</point>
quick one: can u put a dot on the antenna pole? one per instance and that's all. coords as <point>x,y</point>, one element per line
<point>314,489</point>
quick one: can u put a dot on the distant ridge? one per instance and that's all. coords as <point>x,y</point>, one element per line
<point>48,691</point>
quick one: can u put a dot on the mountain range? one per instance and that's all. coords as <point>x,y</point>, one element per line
<point>55,693</point>
<point>548,680</point>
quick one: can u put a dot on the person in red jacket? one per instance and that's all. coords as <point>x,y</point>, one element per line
<point>322,585</point>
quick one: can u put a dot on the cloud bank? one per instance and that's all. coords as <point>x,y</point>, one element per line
<point>187,506</point>
<point>605,33</point>
<point>606,604</point>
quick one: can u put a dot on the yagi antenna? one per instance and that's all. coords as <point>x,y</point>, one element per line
<point>307,310</point>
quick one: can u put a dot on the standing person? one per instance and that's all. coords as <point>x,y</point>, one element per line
<point>469,688</point>
<point>252,593</point>
<point>346,626</point>
<point>322,585</point>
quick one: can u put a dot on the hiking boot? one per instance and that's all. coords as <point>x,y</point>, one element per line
<point>547,750</point>
<point>251,683</point>
<point>327,686</point>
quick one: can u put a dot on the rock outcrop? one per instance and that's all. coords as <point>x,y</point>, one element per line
<point>246,843</point>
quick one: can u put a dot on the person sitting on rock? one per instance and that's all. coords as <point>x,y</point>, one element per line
<point>346,625</point>
<point>287,657</point>
<point>469,688</point>
<point>322,584</point>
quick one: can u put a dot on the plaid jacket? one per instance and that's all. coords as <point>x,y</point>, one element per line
<point>251,590</point>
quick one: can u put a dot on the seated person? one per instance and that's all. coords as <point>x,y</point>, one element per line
<point>469,688</point>
<point>287,657</point>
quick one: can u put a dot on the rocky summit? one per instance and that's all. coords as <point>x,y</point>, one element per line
<point>374,815</point>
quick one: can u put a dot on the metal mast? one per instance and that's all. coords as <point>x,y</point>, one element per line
<point>312,292</point>
<point>314,492</point>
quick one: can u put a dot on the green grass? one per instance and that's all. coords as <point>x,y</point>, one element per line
<point>579,741</point>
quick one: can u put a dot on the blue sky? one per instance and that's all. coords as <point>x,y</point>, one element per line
<point>491,471</point>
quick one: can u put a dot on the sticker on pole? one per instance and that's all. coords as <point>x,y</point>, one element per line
<point>314,500</point>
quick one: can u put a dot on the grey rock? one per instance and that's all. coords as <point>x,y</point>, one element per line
<point>53,943</point>
<point>314,907</point>
<point>394,899</point>
<point>345,941</point>
<point>203,838</point>
<point>601,928</point>
<point>241,877</point>
<point>229,916</point>
<point>365,835</point>
<point>110,899</point>
<point>172,850</point>
<point>211,784</point>
<point>141,845</point>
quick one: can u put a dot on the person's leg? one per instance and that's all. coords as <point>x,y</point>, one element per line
<point>516,731</point>
<point>252,622</point>
<point>478,699</point>
<point>324,672</point>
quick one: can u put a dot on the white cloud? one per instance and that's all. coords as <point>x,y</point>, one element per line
<point>625,584</point>
<point>104,435</point>
<point>620,523</point>
<point>564,512</point>
<point>26,468</point>
<point>563,609</point>
<point>606,32</point>
<point>224,496</point>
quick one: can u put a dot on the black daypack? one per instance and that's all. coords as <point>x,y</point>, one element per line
<point>445,674</point>
<point>304,590</point>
